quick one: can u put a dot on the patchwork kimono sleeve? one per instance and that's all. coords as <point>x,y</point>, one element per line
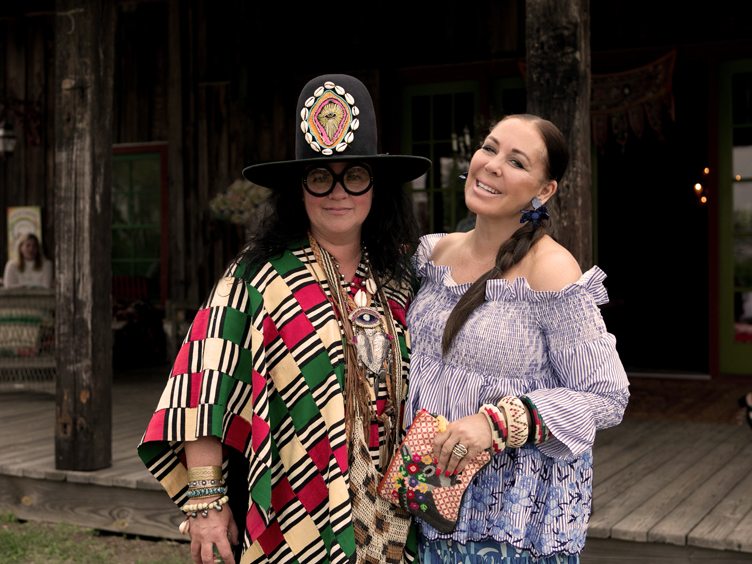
<point>217,387</point>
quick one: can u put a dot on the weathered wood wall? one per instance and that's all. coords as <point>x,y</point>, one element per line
<point>210,81</point>
<point>166,88</point>
<point>26,96</point>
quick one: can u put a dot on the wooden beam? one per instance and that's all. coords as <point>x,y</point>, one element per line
<point>558,89</point>
<point>122,510</point>
<point>175,159</point>
<point>84,33</point>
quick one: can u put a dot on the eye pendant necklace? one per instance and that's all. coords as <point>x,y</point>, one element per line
<point>371,346</point>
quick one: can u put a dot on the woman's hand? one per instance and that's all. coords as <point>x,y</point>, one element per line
<point>472,431</point>
<point>218,529</point>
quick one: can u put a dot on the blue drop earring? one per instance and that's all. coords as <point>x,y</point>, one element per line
<point>537,214</point>
<point>463,176</point>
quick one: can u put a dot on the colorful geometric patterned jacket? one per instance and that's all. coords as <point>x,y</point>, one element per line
<point>262,369</point>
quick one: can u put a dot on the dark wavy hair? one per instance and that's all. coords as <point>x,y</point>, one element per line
<point>389,231</point>
<point>517,246</point>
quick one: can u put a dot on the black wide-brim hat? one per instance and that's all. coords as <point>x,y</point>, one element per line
<point>336,122</point>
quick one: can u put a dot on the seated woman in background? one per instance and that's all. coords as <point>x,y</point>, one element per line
<point>31,268</point>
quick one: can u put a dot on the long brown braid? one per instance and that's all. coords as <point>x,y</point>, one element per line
<point>510,253</point>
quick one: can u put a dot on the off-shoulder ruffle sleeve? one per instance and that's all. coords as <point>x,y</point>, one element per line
<point>594,386</point>
<point>422,256</point>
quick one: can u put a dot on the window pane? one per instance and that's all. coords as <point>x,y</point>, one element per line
<point>120,215</point>
<point>145,243</point>
<point>442,116</point>
<point>743,262</point>
<point>743,207</point>
<point>146,174</point>
<point>741,161</point>
<point>464,114</point>
<point>146,268</point>
<point>743,317</point>
<point>743,136</point>
<point>741,95</point>
<point>122,245</point>
<point>421,110</point>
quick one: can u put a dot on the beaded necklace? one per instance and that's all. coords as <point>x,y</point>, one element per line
<point>370,344</point>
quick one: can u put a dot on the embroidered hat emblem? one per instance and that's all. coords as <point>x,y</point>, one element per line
<point>329,119</point>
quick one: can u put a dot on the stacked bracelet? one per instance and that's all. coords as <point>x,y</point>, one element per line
<point>539,432</point>
<point>496,422</point>
<point>516,415</point>
<point>203,492</point>
<point>192,509</point>
<point>202,476</point>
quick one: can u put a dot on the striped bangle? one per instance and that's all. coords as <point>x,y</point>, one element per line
<point>539,432</point>
<point>516,413</point>
<point>495,419</point>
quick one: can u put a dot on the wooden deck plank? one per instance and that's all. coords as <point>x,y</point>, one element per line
<point>120,510</point>
<point>625,491</point>
<point>675,527</point>
<point>639,462</point>
<point>637,525</point>
<point>618,434</point>
<point>613,457</point>
<point>714,530</point>
<point>740,538</point>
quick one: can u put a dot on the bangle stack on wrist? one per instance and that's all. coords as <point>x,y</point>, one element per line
<point>509,423</point>
<point>205,481</point>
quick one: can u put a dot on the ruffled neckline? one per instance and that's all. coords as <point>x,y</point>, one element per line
<point>500,289</point>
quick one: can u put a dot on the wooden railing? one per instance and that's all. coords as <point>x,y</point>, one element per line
<point>27,336</point>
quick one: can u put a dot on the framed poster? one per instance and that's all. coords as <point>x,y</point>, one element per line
<point>23,220</point>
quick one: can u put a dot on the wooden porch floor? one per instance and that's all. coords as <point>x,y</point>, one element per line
<point>674,480</point>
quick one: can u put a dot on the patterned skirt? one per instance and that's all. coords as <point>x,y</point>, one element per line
<point>483,552</point>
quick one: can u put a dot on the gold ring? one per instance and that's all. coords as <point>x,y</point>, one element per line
<point>459,450</point>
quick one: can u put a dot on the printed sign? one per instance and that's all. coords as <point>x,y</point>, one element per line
<point>21,221</point>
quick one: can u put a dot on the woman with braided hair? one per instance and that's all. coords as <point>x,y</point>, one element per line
<point>508,343</point>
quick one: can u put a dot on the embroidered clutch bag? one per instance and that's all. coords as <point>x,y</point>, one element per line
<point>412,482</point>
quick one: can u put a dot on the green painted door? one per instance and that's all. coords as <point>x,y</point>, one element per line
<point>735,219</point>
<point>137,224</point>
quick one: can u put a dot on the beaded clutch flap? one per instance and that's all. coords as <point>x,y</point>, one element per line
<point>412,482</point>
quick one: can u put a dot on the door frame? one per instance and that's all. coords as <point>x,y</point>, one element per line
<point>734,358</point>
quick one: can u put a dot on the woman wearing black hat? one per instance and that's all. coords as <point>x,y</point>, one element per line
<point>285,400</point>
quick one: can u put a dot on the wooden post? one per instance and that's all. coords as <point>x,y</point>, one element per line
<point>558,89</point>
<point>84,33</point>
<point>175,161</point>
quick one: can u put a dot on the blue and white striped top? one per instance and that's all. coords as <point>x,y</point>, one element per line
<point>552,347</point>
